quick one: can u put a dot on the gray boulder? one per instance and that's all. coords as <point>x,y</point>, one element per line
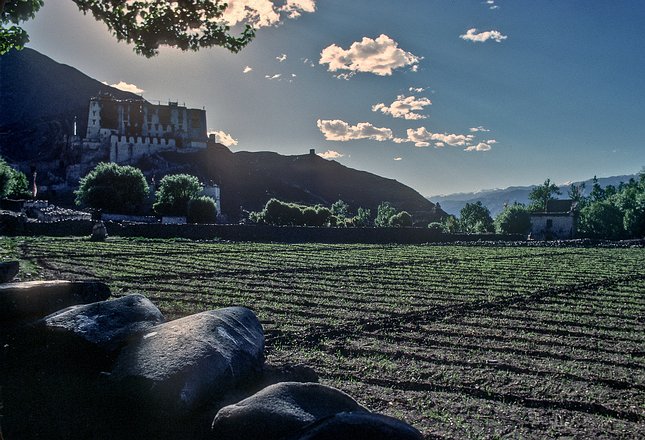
<point>183,364</point>
<point>105,324</point>
<point>8,270</point>
<point>31,300</point>
<point>279,411</point>
<point>359,426</point>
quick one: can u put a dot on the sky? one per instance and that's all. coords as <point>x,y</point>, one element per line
<point>442,95</point>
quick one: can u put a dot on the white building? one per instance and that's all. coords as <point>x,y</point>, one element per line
<point>557,222</point>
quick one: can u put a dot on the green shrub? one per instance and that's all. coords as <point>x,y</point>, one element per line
<point>113,188</point>
<point>514,219</point>
<point>400,220</point>
<point>175,192</point>
<point>202,210</point>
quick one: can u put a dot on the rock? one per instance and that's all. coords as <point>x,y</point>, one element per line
<point>99,232</point>
<point>8,270</point>
<point>359,426</point>
<point>280,410</point>
<point>37,299</point>
<point>184,363</point>
<point>105,324</point>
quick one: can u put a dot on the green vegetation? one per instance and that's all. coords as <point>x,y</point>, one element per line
<point>541,194</point>
<point>147,25</point>
<point>202,210</point>
<point>13,183</point>
<point>475,218</point>
<point>113,188</point>
<point>462,342</point>
<point>280,213</point>
<point>175,192</point>
<point>514,219</point>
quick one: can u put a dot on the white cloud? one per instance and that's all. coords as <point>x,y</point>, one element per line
<point>247,69</point>
<point>481,37</point>
<point>439,144</point>
<point>491,141</point>
<point>261,13</point>
<point>337,130</point>
<point>482,146</point>
<point>282,57</point>
<point>421,137</point>
<point>272,77</point>
<point>223,138</point>
<point>416,90</point>
<point>126,87</point>
<point>380,56</point>
<point>398,158</point>
<point>480,128</point>
<point>404,107</point>
<point>330,155</point>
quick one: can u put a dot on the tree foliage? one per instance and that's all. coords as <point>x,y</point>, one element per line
<point>13,183</point>
<point>148,24</point>
<point>514,219</point>
<point>175,192</point>
<point>113,188</point>
<point>384,213</point>
<point>279,213</point>
<point>541,194</point>
<point>340,209</point>
<point>401,219</point>
<point>475,218</point>
<point>202,210</point>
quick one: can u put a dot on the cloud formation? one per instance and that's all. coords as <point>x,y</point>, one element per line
<point>398,158</point>
<point>482,146</point>
<point>261,13</point>
<point>330,155</point>
<point>272,77</point>
<point>126,87</point>
<point>281,58</point>
<point>247,69</point>
<point>404,107</point>
<point>472,35</point>
<point>480,128</point>
<point>380,56</point>
<point>421,137</point>
<point>223,138</point>
<point>416,90</point>
<point>337,130</point>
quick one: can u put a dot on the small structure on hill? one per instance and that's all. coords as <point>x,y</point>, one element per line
<point>557,222</point>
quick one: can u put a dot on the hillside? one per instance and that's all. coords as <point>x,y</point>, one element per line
<point>495,199</point>
<point>43,97</point>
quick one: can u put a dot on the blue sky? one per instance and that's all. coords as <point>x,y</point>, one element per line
<point>559,85</point>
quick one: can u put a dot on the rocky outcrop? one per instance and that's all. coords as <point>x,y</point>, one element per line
<point>31,300</point>
<point>105,325</point>
<point>184,363</point>
<point>280,410</point>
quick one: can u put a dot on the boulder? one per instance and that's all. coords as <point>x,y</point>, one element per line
<point>185,363</point>
<point>31,300</point>
<point>8,270</point>
<point>106,324</point>
<point>359,426</point>
<point>279,411</point>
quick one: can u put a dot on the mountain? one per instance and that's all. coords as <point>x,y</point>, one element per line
<point>495,199</point>
<point>39,99</point>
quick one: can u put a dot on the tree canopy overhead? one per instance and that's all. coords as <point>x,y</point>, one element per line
<point>148,24</point>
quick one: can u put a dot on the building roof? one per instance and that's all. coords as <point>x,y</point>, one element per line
<point>560,206</point>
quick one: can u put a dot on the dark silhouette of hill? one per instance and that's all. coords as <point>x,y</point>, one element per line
<point>39,99</point>
<point>249,179</point>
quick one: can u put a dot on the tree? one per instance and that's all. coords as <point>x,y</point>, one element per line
<point>148,24</point>
<point>514,219</point>
<point>362,218</point>
<point>601,219</point>
<point>401,219</point>
<point>576,192</point>
<point>541,194</point>
<point>113,188</point>
<point>175,191</point>
<point>475,217</point>
<point>202,210</point>
<point>340,209</point>
<point>384,213</point>
<point>6,177</point>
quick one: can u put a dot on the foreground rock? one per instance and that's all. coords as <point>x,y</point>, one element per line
<point>280,410</point>
<point>359,426</point>
<point>183,364</point>
<point>8,270</point>
<point>106,324</point>
<point>31,300</point>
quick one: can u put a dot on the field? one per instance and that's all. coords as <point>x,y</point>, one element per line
<point>460,341</point>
